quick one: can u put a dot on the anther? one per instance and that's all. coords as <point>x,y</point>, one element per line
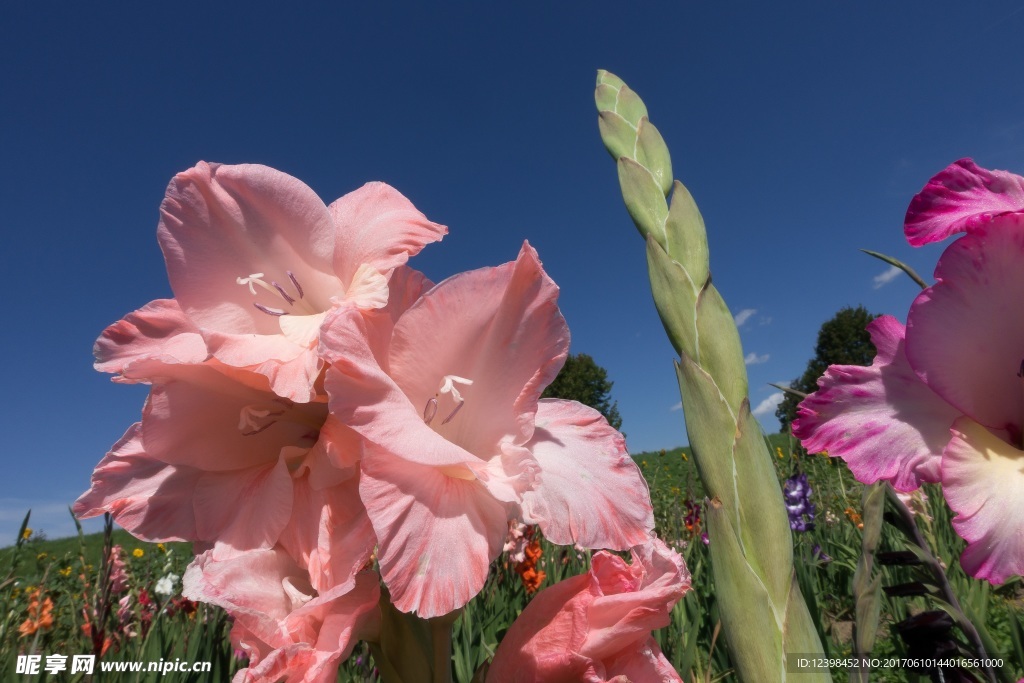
<point>283,293</point>
<point>298,287</point>
<point>268,310</point>
<point>453,413</point>
<point>430,410</point>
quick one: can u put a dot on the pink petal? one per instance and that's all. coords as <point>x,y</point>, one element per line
<point>437,534</point>
<point>366,399</point>
<point>963,196</point>
<point>499,327</point>
<point>244,509</point>
<point>275,608</point>
<point>149,498</point>
<point>965,334</point>
<point>590,493</point>
<point>596,625</point>
<point>882,420</point>
<point>644,663</point>
<point>633,599</point>
<point>157,330</point>
<point>219,223</point>
<point>291,369</point>
<point>329,532</point>
<point>377,226</point>
<point>983,481</point>
<point>543,642</point>
<point>216,418</point>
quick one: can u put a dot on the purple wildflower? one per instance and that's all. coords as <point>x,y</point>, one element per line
<point>797,492</point>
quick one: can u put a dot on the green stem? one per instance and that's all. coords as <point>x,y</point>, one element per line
<point>441,636</point>
<point>930,561</point>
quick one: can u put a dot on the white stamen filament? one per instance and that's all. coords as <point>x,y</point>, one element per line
<point>448,385</point>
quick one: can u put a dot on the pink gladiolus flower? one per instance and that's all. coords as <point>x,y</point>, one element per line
<point>597,626</point>
<point>256,261</point>
<point>289,631</point>
<point>118,571</point>
<point>944,399</point>
<point>457,442</point>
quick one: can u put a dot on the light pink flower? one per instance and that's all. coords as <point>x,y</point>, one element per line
<point>597,626</point>
<point>944,399</point>
<point>457,442</point>
<point>256,261</point>
<point>288,629</point>
<point>118,577</point>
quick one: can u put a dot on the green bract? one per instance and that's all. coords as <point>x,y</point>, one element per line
<point>764,615</point>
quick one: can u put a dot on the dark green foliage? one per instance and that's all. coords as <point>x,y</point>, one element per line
<point>843,340</point>
<point>583,380</point>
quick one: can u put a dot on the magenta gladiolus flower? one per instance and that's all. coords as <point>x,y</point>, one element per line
<point>457,442</point>
<point>944,399</point>
<point>597,626</point>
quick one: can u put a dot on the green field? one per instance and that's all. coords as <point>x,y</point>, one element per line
<point>65,570</point>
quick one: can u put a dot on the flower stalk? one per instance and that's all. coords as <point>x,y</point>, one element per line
<point>764,615</point>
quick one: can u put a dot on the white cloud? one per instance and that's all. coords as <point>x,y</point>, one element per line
<point>886,276</point>
<point>678,406</point>
<point>768,406</point>
<point>743,316</point>
<point>754,359</point>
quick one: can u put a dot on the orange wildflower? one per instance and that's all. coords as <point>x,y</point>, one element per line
<point>40,614</point>
<point>527,569</point>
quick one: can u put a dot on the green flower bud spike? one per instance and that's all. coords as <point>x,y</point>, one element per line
<point>763,613</point>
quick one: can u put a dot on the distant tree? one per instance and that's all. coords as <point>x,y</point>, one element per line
<point>841,341</point>
<point>583,380</point>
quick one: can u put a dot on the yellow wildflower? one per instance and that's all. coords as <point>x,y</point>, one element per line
<point>26,534</point>
<point>41,556</point>
<point>138,552</point>
<point>161,547</point>
<point>66,571</point>
<point>778,452</point>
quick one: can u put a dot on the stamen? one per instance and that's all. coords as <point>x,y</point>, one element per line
<point>270,311</point>
<point>298,287</point>
<point>283,293</point>
<point>253,419</point>
<point>453,413</point>
<point>430,410</point>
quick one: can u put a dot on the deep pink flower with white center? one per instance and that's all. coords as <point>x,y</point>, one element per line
<point>944,400</point>
<point>256,261</point>
<point>596,627</point>
<point>290,631</point>
<point>457,442</point>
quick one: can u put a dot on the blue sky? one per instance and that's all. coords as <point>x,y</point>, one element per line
<point>803,129</point>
